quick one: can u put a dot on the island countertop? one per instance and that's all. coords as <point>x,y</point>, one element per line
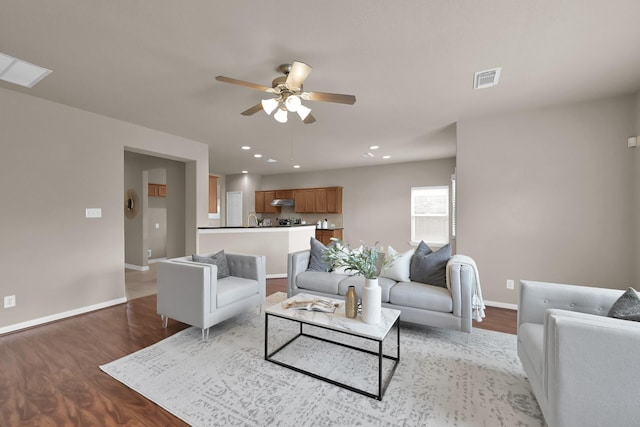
<point>274,242</point>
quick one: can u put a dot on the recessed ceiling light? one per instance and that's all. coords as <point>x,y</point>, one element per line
<point>374,147</point>
<point>257,156</point>
<point>386,157</point>
<point>367,155</point>
<point>271,161</point>
<point>246,147</point>
<point>245,171</point>
<point>296,166</point>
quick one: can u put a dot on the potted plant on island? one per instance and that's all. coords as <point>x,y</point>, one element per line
<point>362,261</point>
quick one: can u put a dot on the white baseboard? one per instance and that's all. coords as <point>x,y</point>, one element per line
<point>59,316</point>
<point>136,267</point>
<point>154,260</point>
<point>276,276</point>
<point>501,305</point>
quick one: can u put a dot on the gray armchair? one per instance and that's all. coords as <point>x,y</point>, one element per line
<point>191,293</point>
<point>582,365</point>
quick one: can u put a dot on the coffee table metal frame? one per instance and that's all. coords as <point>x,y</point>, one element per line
<point>382,386</point>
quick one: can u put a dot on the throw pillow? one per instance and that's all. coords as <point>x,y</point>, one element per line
<point>316,261</point>
<point>218,259</point>
<point>627,307</point>
<point>430,267</point>
<point>400,269</point>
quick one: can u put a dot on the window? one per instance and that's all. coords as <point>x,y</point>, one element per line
<point>430,214</point>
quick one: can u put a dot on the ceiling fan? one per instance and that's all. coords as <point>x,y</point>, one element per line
<point>289,94</point>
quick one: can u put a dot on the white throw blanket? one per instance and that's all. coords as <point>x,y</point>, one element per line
<point>478,303</point>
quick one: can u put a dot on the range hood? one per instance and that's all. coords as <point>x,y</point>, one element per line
<point>282,202</point>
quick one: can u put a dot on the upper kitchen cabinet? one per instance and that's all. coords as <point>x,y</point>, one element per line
<point>334,200</point>
<point>263,202</point>
<point>318,200</point>
<point>284,194</point>
<point>321,200</point>
<point>213,194</point>
<point>157,190</point>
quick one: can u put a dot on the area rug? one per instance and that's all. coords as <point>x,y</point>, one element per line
<point>445,378</point>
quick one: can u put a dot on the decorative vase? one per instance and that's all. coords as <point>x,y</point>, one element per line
<point>351,303</point>
<point>371,301</point>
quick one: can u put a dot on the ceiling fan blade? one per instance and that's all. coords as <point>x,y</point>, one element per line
<point>241,83</point>
<point>252,110</point>
<point>299,72</point>
<point>309,119</point>
<point>329,97</point>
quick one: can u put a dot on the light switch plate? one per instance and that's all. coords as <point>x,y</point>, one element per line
<point>93,213</point>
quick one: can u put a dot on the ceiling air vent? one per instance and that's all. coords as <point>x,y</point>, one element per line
<point>487,78</point>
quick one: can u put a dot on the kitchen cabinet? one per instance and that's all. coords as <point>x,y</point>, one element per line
<point>334,200</point>
<point>321,200</point>
<point>284,194</point>
<point>325,235</point>
<point>213,194</point>
<point>263,201</point>
<point>157,190</point>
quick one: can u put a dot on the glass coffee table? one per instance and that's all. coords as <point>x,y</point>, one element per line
<point>353,329</point>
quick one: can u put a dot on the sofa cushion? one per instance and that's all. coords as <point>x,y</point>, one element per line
<point>421,295</point>
<point>430,267</point>
<point>627,307</point>
<point>531,340</point>
<point>218,259</point>
<point>358,281</point>
<point>316,260</point>
<point>232,289</point>
<point>319,281</point>
<point>400,265</point>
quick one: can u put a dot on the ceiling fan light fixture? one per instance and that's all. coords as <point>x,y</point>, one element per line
<point>281,115</point>
<point>303,111</point>
<point>293,103</point>
<point>268,105</point>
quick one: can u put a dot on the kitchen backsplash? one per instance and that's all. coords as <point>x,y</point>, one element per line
<point>333,220</point>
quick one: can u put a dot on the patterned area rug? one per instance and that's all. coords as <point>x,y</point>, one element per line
<point>445,378</point>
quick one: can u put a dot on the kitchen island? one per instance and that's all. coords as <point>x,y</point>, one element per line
<point>276,243</point>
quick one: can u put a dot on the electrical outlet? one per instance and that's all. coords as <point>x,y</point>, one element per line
<point>9,301</point>
<point>510,284</point>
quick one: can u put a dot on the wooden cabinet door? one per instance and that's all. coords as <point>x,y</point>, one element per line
<point>309,201</point>
<point>268,198</point>
<point>299,201</point>
<point>334,200</point>
<point>162,190</point>
<point>259,202</point>
<point>321,200</point>
<point>153,190</point>
<point>284,194</point>
<point>213,194</point>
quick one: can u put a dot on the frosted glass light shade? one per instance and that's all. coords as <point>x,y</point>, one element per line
<point>281,115</point>
<point>293,103</point>
<point>268,105</point>
<point>303,111</point>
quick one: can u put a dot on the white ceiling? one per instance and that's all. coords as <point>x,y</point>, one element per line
<point>410,64</point>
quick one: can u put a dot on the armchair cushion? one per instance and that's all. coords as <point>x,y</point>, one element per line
<point>218,259</point>
<point>627,307</point>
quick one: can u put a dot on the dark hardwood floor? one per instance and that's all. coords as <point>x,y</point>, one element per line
<point>49,375</point>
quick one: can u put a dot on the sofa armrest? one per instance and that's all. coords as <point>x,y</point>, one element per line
<point>185,289</point>
<point>461,278</point>
<point>537,297</point>
<point>590,369</point>
<point>297,263</point>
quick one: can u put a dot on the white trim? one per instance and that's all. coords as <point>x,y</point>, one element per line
<point>276,276</point>
<point>60,316</point>
<point>501,305</point>
<point>136,267</point>
<point>154,260</point>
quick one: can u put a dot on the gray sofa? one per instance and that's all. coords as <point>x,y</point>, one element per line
<point>420,303</point>
<point>582,365</point>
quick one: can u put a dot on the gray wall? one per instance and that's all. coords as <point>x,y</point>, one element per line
<point>548,195</point>
<point>55,162</point>
<point>376,199</point>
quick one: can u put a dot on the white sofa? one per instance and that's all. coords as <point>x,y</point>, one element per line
<point>582,365</point>
<point>191,292</point>
<point>420,303</point>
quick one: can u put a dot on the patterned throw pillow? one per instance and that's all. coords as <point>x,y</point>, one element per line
<point>218,259</point>
<point>627,307</point>
<point>430,267</point>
